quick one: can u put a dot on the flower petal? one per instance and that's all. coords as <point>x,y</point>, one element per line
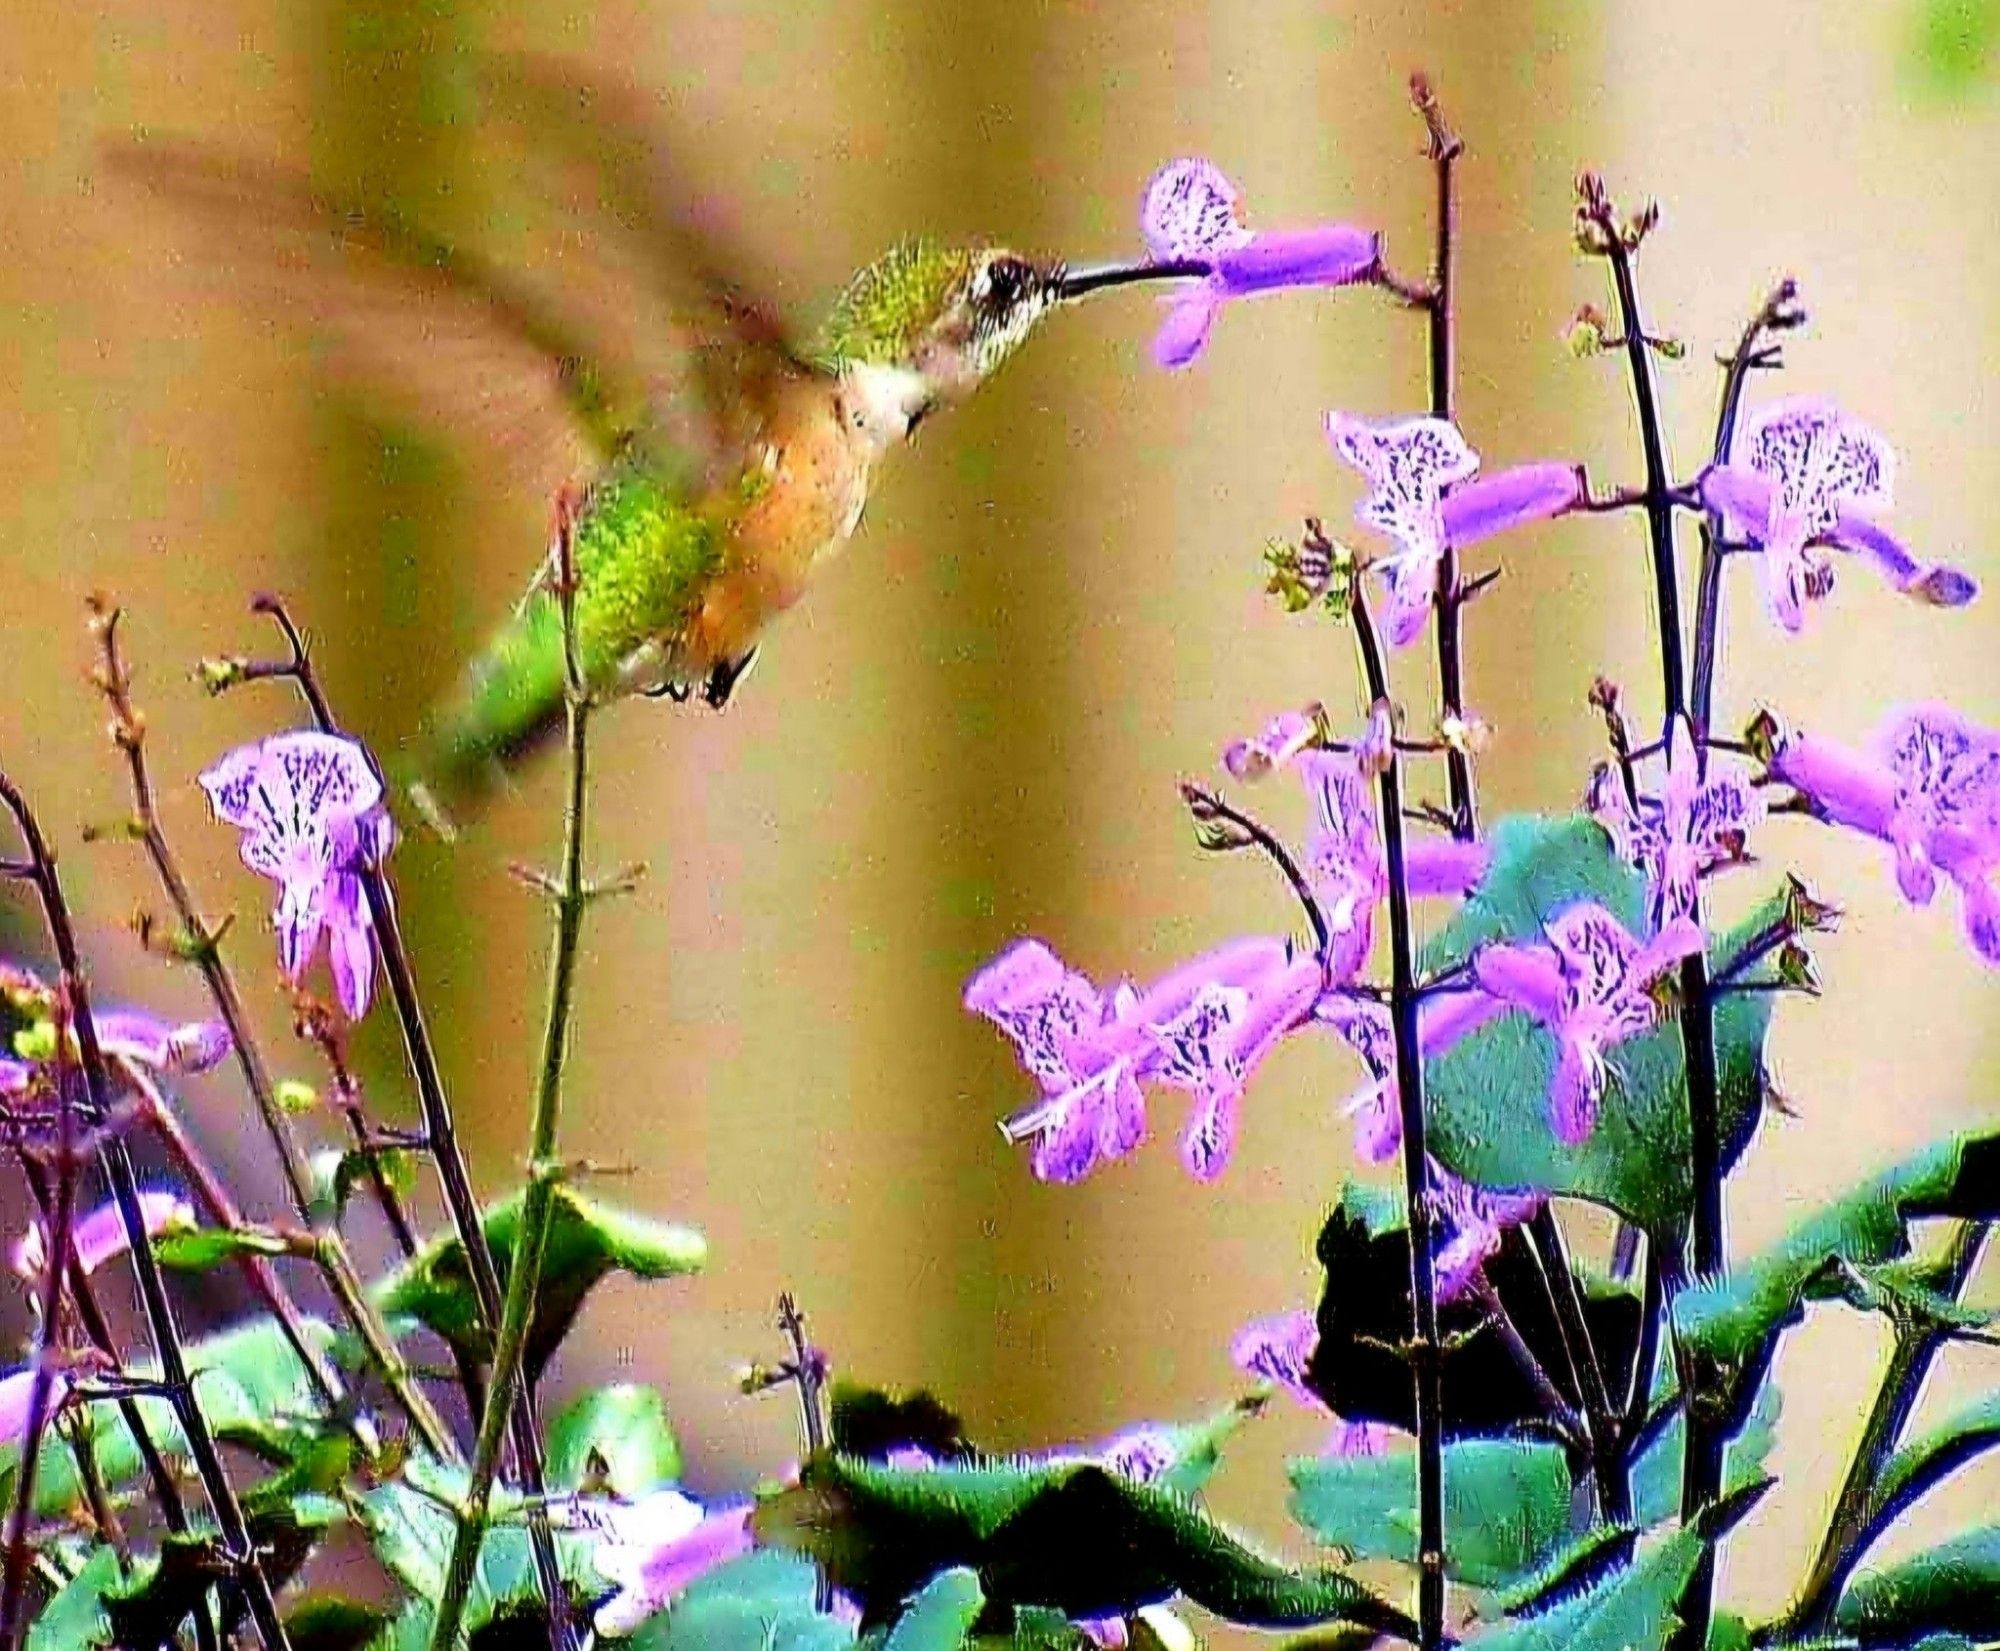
<point>1445,865</point>
<point>1478,509</point>
<point>1191,210</point>
<point>1183,335</point>
<point>1330,255</point>
<point>1528,977</point>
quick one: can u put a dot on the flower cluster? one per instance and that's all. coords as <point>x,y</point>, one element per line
<point>310,808</point>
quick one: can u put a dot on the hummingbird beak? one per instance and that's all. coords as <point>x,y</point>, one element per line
<point>1071,284</point>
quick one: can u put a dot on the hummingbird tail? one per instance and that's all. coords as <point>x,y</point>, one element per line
<point>509,702</point>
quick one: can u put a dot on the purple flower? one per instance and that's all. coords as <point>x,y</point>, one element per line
<point>1412,469</point>
<point>1192,212</point>
<point>310,809</point>
<point>1277,1350</point>
<point>1475,1220</point>
<point>1204,1027</point>
<point>146,1040</point>
<point>1699,822</point>
<point>1364,1025</point>
<point>1591,986</point>
<point>1931,791</point>
<point>1345,865</point>
<point>654,1548</point>
<point>1283,738</point>
<point>1802,474</point>
<point>17,1393</point>
<point>100,1236</point>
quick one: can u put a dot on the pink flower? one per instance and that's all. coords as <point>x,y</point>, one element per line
<point>1192,212</point>
<point>1591,986</point>
<point>1421,495</point>
<point>1278,1350</point>
<point>653,1549</point>
<point>100,1236</point>
<point>1700,821</point>
<point>17,1397</point>
<point>1802,474</point>
<point>1930,790</point>
<point>1203,1027</point>
<point>310,809</point>
<point>1364,1025</point>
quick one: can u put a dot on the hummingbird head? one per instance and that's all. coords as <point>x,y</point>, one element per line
<point>923,326</point>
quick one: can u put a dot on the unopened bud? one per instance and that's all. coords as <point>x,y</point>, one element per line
<point>1766,736</point>
<point>1805,913</point>
<point>295,1096</point>
<point>1586,332</point>
<point>1215,828</point>
<point>219,675</point>
<point>1795,969</point>
<point>1465,734</point>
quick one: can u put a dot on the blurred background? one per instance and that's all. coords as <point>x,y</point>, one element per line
<point>972,729</point>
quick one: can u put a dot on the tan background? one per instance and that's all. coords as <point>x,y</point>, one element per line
<point>973,729</point>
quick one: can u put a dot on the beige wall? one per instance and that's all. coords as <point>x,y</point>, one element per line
<point>974,727</point>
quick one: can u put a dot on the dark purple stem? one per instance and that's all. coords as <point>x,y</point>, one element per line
<point>55,1279</point>
<point>117,1158</point>
<point>1426,1353</point>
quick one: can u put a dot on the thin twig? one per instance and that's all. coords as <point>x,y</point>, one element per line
<point>117,1160</point>
<point>128,733</point>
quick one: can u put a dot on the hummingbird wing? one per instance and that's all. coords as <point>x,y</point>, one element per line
<point>605,149</point>
<point>432,327</point>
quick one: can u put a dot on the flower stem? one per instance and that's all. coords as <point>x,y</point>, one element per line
<point>440,1128</point>
<point>1859,1516</point>
<point>571,896</point>
<point>1610,1465</point>
<point>48,1330</point>
<point>128,733</point>
<point>1777,311</point>
<point>119,1171</point>
<point>1443,149</point>
<point>1426,1353</point>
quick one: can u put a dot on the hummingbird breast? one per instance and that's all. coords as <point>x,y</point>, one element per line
<point>796,500</point>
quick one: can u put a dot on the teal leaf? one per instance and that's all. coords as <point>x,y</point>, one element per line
<point>75,1620</point>
<point>940,1617</point>
<point>761,1602</point>
<point>1507,1506</point>
<point>1656,1475</point>
<point>1633,1608</point>
<point>1735,1323</point>
<point>588,1241</point>
<point>1069,1536</point>
<point>327,1622</point>
<point>1575,1567</point>
<point>251,1386</point>
<point>1950,1589</point>
<point>616,1437</point>
<point>1488,1106</point>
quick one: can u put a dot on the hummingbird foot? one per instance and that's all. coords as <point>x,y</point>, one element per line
<point>722,680</point>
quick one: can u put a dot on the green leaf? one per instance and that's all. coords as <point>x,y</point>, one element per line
<point>1575,1567</point>
<point>199,1249</point>
<point>761,1602</point>
<point>587,1241</point>
<point>1067,1535</point>
<point>1506,1501</point>
<point>1656,1475</point>
<point>327,1622</point>
<point>940,1617</point>
<point>616,1437</point>
<point>1735,1322</point>
<point>75,1619</point>
<point>1488,1095</point>
<point>335,1174</point>
<point>1632,1609</point>
<point>250,1384</point>
<point>1951,1589</point>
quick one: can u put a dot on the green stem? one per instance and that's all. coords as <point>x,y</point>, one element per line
<point>538,1206</point>
<point>1858,1517</point>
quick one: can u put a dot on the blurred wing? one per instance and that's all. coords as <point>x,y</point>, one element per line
<point>719,357</point>
<point>428,325</point>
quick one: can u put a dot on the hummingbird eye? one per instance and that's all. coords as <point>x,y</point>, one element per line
<point>1006,282</point>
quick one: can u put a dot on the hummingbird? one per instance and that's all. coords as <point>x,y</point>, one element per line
<point>715,470</point>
